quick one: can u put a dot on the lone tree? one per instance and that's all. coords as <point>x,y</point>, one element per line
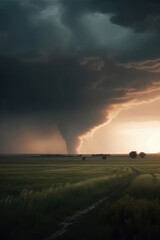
<point>142,155</point>
<point>133,154</point>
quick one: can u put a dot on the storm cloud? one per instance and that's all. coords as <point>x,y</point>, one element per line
<point>69,62</point>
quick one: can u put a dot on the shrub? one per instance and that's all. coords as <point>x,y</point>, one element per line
<point>142,155</point>
<point>133,154</point>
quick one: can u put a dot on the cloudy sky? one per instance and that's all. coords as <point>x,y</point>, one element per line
<point>79,76</point>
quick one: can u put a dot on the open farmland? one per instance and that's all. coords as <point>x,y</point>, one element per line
<point>37,193</point>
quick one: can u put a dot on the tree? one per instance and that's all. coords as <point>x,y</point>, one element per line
<point>142,155</point>
<point>133,154</point>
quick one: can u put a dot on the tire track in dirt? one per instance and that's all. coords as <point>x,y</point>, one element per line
<point>71,219</point>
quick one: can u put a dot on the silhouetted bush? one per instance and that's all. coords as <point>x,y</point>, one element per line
<point>142,155</point>
<point>133,154</point>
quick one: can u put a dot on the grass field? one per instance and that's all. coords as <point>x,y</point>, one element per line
<point>37,193</point>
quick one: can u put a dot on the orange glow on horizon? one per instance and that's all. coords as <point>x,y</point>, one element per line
<point>154,142</point>
<point>132,127</point>
<point>123,139</point>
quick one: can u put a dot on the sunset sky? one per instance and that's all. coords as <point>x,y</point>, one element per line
<point>79,76</point>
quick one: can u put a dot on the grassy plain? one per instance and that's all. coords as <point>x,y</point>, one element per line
<point>37,193</point>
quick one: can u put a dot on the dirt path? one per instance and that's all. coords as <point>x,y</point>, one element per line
<point>71,219</point>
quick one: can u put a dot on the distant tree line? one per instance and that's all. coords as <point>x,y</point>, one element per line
<point>103,156</point>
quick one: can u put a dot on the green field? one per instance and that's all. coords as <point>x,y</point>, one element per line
<point>37,193</point>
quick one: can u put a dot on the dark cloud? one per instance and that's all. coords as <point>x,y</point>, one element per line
<point>64,61</point>
<point>57,88</point>
<point>140,15</point>
<point>94,27</point>
<point>28,28</point>
<point>73,95</point>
